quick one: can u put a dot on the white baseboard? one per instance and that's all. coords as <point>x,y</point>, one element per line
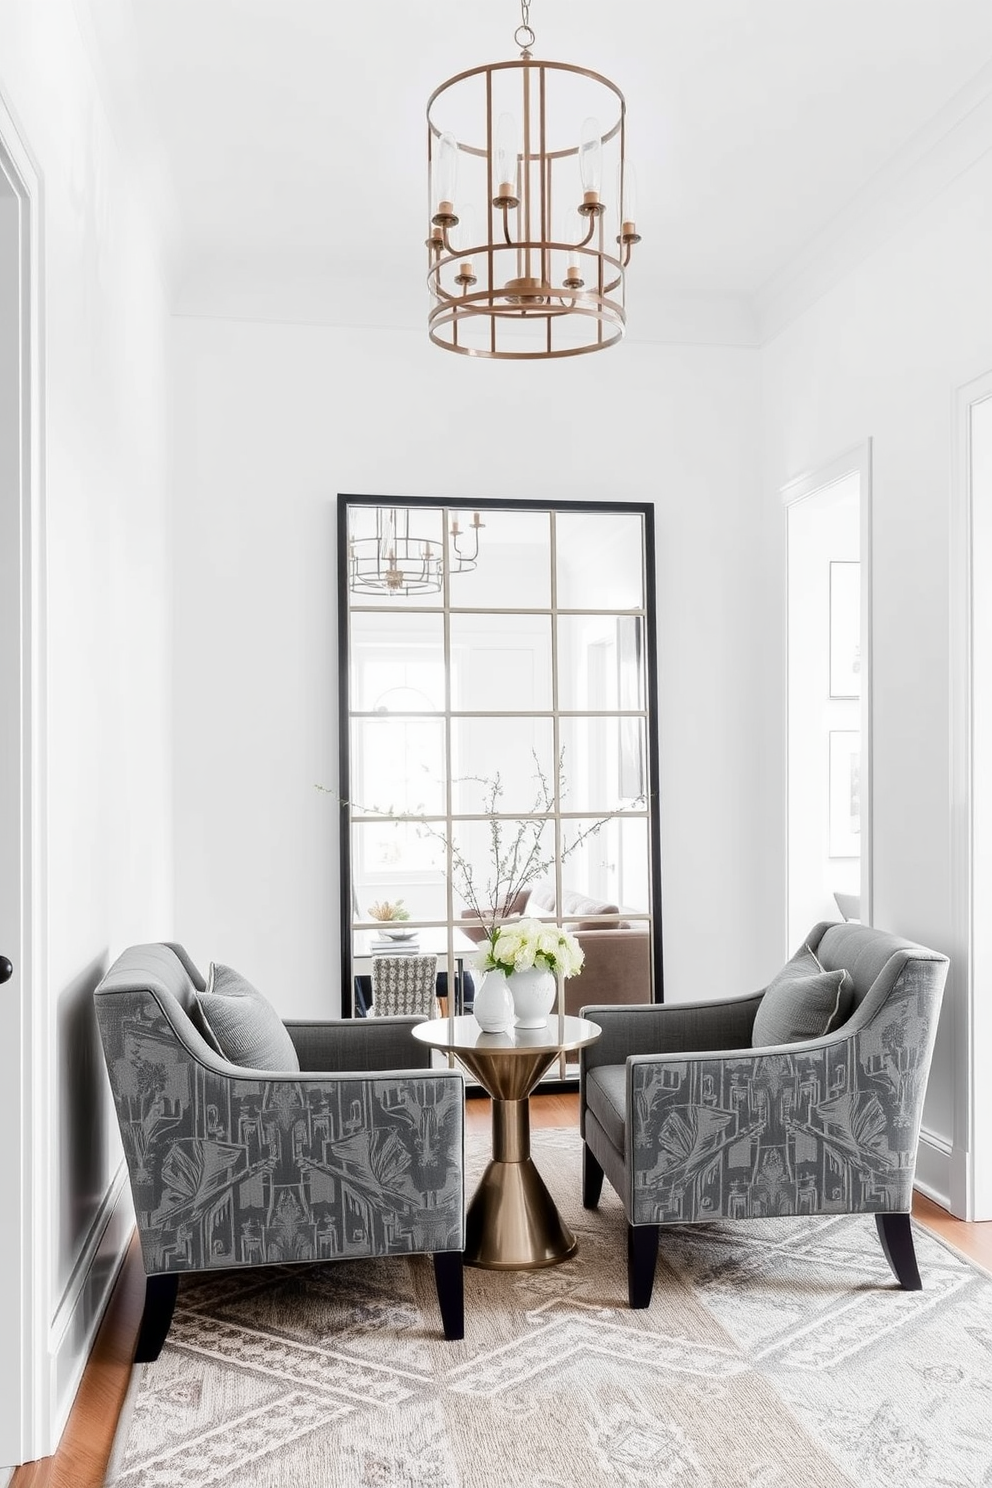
<point>82,1305</point>
<point>934,1167</point>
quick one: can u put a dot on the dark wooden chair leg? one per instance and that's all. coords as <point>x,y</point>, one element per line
<point>592,1179</point>
<point>642,1252</point>
<point>896,1234</point>
<point>449,1278</point>
<point>160,1302</point>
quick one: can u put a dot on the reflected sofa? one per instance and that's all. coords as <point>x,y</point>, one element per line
<point>617,965</point>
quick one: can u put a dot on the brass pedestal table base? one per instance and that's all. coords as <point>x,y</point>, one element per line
<point>512,1223</point>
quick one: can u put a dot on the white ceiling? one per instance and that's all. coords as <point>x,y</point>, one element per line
<point>283,141</point>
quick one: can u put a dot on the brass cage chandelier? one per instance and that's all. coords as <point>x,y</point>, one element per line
<point>396,559</point>
<point>531,209</point>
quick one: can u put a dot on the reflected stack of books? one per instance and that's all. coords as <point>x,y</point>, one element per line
<point>406,944</point>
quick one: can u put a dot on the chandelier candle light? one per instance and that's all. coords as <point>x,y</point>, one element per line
<point>535,152</point>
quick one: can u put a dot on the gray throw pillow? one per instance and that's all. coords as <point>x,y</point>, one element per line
<point>802,1002</point>
<point>247,1028</point>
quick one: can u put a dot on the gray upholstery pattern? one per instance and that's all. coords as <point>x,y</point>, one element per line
<point>246,1026</point>
<point>825,1131</point>
<point>827,1126</point>
<point>234,1167</point>
<point>404,986</point>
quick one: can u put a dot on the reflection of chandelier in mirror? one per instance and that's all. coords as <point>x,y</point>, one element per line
<point>398,561</point>
<point>539,147</point>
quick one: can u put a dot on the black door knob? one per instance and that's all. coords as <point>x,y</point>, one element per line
<point>6,969</point>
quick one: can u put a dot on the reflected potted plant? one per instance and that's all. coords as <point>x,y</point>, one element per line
<point>391,912</point>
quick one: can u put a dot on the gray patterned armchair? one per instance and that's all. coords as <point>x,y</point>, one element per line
<point>357,1153</point>
<point>690,1123</point>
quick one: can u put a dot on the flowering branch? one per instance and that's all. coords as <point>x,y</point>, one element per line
<point>515,865</point>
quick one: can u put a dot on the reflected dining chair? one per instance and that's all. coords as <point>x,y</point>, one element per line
<point>404,986</point>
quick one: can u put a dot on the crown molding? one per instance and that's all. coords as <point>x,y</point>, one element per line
<point>953,141</point>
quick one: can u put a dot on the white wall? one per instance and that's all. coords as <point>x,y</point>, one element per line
<point>272,422</point>
<point>979,480</point>
<point>108,639</point>
<point>879,356</point>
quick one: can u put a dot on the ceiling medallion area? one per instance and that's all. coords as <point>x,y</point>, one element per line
<point>531,209</point>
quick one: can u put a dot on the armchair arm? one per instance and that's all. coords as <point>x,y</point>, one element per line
<point>239,1167</point>
<point>359,1044</point>
<point>669,1028</point>
<point>827,1126</point>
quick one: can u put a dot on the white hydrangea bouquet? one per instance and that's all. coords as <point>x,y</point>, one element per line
<point>523,945</point>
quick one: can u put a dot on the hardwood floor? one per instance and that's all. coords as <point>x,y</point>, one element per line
<point>974,1240</point>
<point>84,1451</point>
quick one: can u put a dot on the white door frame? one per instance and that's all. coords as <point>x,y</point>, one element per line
<point>856,461</point>
<point>971,826</point>
<point>28,1106</point>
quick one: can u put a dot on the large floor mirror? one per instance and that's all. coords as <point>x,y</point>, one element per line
<point>498,680</point>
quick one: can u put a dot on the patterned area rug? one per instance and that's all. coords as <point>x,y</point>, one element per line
<point>775,1354</point>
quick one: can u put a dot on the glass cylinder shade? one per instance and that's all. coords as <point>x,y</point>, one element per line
<point>466,234</point>
<point>591,157</point>
<point>519,306</point>
<point>446,174</point>
<point>505,173</point>
<point>628,190</point>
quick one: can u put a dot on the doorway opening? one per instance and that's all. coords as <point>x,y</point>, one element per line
<point>970,1181</point>
<point>828,690</point>
<point>24,1423</point>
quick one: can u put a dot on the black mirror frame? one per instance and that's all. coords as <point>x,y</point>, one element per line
<point>643,509</point>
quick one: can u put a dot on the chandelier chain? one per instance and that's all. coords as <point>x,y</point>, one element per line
<point>524,35</point>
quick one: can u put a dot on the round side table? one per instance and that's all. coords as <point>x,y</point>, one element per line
<point>512,1223</point>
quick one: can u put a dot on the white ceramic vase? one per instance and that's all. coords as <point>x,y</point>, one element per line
<point>533,994</point>
<point>493,1005</point>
